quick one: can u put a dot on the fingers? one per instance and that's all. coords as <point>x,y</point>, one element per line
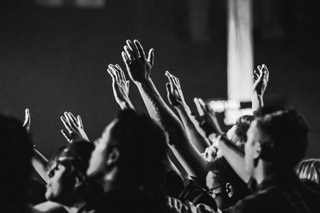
<point>170,80</point>
<point>112,76</point>
<point>73,119</point>
<point>80,121</point>
<point>133,48</point>
<point>169,90</point>
<point>255,75</point>
<point>122,75</point>
<point>125,58</point>
<point>129,52</point>
<point>198,106</point>
<point>66,135</point>
<point>114,71</point>
<point>140,49</point>
<point>27,119</point>
<point>66,124</point>
<point>266,72</point>
<point>151,56</point>
<point>117,74</point>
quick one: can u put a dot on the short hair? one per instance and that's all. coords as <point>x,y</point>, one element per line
<point>142,146</point>
<point>242,125</point>
<point>225,174</point>
<point>309,169</point>
<point>287,137</point>
<point>16,151</point>
<point>75,156</point>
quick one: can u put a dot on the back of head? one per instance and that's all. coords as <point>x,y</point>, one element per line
<point>309,169</point>
<point>242,125</point>
<point>225,174</point>
<point>142,146</point>
<point>286,140</point>
<point>15,160</point>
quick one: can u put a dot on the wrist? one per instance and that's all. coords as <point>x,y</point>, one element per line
<point>216,136</point>
<point>144,81</point>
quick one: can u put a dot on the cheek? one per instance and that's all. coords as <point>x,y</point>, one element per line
<point>96,161</point>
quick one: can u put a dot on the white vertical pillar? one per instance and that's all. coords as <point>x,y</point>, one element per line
<point>240,50</point>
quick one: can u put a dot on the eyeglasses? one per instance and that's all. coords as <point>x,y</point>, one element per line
<point>212,191</point>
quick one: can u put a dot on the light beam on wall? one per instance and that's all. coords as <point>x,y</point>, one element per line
<point>240,50</point>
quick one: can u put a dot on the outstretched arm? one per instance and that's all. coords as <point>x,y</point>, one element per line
<point>39,162</point>
<point>233,153</point>
<point>176,99</point>
<point>261,78</point>
<point>120,87</point>
<point>139,67</point>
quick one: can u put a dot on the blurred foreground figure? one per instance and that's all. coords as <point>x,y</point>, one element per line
<point>277,141</point>
<point>15,165</point>
<point>129,162</point>
<point>68,189</point>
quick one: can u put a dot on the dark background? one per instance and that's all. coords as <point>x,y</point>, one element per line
<point>54,59</point>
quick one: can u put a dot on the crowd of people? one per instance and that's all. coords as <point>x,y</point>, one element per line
<point>169,160</point>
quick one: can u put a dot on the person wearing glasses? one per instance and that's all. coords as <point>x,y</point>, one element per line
<point>224,185</point>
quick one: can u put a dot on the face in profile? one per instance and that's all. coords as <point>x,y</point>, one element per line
<point>217,190</point>
<point>97,165</point>
<point>60,184</point>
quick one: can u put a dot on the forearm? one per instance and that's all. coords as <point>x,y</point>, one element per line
<point>235,157</point>
<point>126,105</point>
<point>39,162</point>
<point>198,140</point>
<point>257,101</point>
<point>187,154</point>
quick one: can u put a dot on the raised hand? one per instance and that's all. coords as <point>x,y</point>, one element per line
<point>174,91</point>
<point>138,66</point>
<point>207,118</point>
<point>120,86</point>
<point>27,120</point>
<point>74,128</point>
<point>261,78</point>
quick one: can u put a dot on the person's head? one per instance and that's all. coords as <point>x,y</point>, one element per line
<point>278,138</point>
<point>224,185</point>
<point>238,132</point>
<point>309,169</point>
<point>15,160</point>
<point>132,144</point>
<point>67,173</point>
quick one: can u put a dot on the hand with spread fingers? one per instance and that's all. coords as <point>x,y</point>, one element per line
<point>207,118</point>
<point>174,91</point>
<point>74,128</point>
<point>120,86</point>
<point>27,120</point>
<point>137,64</point>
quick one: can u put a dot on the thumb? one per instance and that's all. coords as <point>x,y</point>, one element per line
<point>151,56</point>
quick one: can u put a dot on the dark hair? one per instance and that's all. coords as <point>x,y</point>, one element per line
<point>287,137</point>
<point>75,156</point>
<point>309,169</point>
<point>242,125</point>
<point>225,174</point>
<point>142,146</point>
<point>15,161</point>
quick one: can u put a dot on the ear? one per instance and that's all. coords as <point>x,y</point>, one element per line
<point>257,150</point>
<point>79,180</point>
<point>113,157</point>
<point>229,189</point>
